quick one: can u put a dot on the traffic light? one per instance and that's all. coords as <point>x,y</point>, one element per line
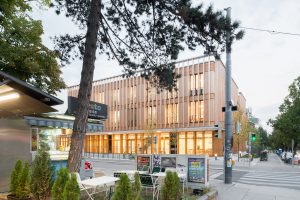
<point>253,137</point>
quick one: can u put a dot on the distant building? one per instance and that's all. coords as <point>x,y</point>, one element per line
<point>140,120</point>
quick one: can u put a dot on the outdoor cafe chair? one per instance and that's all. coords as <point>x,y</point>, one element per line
<point>155,170</point>
<point>81,186</point>
<point>147,181</point>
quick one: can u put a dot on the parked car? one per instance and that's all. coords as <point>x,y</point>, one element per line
<point>264,155</point>
<point>288,157</point>
<point>282,155</point>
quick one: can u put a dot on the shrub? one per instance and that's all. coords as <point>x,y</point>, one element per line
<point>71,190</point>
<point>42,172</point>
<point>14,177</point>
<point>59,184</point>
<point>171,189</point>
<point>137,187</point>
<point>123,189</point>
<point>23,189</point>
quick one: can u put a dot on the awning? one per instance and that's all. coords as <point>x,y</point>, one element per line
<point>58,123</point>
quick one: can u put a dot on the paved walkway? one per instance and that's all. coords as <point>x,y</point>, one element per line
<point>238,191</point>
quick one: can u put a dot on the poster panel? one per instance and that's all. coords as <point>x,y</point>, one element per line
<point>181,164</point>
<point>168,162</point>
<point>143,161</point>
<point>196,170</point>
<point>156,160</point>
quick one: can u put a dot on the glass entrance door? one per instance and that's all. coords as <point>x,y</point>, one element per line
<point>164,143</point>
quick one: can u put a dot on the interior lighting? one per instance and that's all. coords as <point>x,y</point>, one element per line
<point>9,96</point>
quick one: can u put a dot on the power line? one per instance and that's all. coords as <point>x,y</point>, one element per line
<point>270,31</point>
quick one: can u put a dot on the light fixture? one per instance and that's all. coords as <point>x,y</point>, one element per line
<point>9,96</point>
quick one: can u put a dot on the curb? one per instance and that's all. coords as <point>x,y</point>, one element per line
<point>209,196</point>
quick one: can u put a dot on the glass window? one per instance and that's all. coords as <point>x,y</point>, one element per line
<point>140,141</point>
<point>164,143</point>
<point>199,143</point>
<point>208,142</point>
<point>190,143</point>
<point>181,148</point>
<point>117,144</point>
<point>131,143</point>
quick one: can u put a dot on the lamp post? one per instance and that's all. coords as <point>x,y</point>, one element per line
<point>228,107</point>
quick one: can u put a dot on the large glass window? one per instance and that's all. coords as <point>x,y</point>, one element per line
<point>172,113</point>
<point>164,143</point>
<point>140,141</point>
<point>190,143</point>
<point>199,143</point>
<point>131,143</point>
<point>208,142</point>
<point>196,111</point>
<point>117,144</point>
<point>181,148</point>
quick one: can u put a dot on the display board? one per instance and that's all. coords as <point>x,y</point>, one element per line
<point>156,160</point>
<point>143,161</point>
<point>168,162</point>
<point>196,170</point>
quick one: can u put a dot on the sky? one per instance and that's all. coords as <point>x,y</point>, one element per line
<point>263,64</point>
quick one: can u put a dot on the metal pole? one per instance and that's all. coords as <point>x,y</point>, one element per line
<point>228,110</point>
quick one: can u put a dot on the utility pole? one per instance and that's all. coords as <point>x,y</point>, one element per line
<point>228,107</point>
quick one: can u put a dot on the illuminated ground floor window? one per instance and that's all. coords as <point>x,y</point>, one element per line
<point>191,142</point>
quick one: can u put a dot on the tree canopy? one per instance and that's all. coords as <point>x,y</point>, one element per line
<point>287,122</point>
<point>22,53</point>
<point>146,36</point>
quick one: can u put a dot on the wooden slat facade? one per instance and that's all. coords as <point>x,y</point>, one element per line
<point>136,110</point>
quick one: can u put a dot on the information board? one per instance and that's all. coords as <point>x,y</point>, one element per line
<point>196,170</point>
<point>143,161</point>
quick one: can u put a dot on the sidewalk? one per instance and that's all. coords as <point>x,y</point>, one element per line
<point>238,191</point>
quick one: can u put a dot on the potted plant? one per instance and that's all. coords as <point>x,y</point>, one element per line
<point>71,189</point>
<point>59,184</point>
<point>20,182</point>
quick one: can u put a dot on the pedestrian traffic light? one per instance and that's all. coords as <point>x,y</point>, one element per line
<point>253,137</point>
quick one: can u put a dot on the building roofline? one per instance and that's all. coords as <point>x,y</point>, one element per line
<point>29,90</point>
<point>177,62</point>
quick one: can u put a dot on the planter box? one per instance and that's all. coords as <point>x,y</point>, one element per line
<point>13,197</point>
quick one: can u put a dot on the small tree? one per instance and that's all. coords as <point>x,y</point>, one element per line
<point>123,189</point>
<point>137,187</point>
<point>59,184</point>
<point>71,190</point>
<point>171,190</point>
<point>23,189</point>
<point>14,177</point>
<point>42,172</point>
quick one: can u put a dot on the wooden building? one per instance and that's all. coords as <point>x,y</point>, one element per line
<point>141,120</point>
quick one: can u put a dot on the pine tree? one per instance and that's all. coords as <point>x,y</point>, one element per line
<point>171,189</point>
<point>15,176</point>
<point>42,172</point>
<point>71,190</point>
<point>123,189</point>
<point>59,184</point>
<point>137,187</point>
<point>23,189</point>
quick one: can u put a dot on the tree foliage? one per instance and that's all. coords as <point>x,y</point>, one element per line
<point>59,184</point>
<point>171,189</point>
<point>15,176</point>
<point>23,189</point>
<point>71,189</point>
<point>123,189</point>
<point>287,122</point>
<point>146,36</point>
<point>136,188</point>
<point>42,172</point>
<point>22,53</point>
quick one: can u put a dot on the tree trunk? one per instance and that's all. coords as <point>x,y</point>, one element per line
<point>87,73</point>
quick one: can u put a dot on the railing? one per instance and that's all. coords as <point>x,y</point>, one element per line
<point>112,156</point>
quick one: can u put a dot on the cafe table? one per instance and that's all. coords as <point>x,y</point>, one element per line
<point>162,175</point>
<point>103,181</point>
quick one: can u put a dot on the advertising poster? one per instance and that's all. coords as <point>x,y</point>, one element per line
<point>143,161</point>
<point>168,162</point>
<point>156,160</point>
<point>181,164</point>
<point>196,170</point>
